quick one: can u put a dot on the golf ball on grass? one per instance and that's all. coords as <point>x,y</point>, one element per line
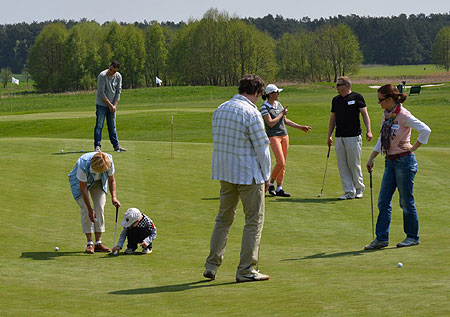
<point>62,151</point>
<point>56,249</point>
<point>400,264</point>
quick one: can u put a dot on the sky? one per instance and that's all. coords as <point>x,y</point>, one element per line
<point>182,10</point>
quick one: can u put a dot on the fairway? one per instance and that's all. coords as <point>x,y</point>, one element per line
<point>311,247</point>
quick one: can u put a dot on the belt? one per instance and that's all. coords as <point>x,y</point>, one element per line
<point>397,156</point>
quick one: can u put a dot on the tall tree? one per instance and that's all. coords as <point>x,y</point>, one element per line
<point>133,57</point>
<point>155,53</point>
<point>441,48</point>
<point>46,58</point>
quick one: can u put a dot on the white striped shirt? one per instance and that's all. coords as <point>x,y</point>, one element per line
<point>241,147</point>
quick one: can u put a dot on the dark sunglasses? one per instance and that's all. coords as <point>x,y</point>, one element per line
<point>338,85</point>
<point>382,99</point>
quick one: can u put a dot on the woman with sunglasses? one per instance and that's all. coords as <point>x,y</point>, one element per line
<point>275,120</point>
<point>400,166</point>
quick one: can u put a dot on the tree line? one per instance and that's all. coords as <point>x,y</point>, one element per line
<point>216,50</point>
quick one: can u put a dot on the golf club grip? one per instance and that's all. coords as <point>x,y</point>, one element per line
<point>370,173</point>
<point>117,211</point>
<point>329,148</point>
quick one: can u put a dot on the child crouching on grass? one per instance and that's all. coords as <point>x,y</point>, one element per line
<point>137,228</point>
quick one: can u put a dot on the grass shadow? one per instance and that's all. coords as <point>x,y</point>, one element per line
<point>48,255</point>
<point>211,198</point>
<point>170,288</point>
<point>69,152</point>
<point>304,200</point>
<point>324,255</point>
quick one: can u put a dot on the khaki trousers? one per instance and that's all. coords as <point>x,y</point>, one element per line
<point>99,200</point>
<point>252,197</point>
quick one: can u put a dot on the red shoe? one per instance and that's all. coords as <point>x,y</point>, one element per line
<point>101,248</point>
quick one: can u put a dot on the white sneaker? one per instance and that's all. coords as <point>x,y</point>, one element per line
<point>346,196</point>
<point>146,250</point>
<point>252,277</point>
<point>359,195</point>
<point>98,148</point>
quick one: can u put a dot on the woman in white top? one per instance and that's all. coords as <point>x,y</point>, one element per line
<point>400,166</point>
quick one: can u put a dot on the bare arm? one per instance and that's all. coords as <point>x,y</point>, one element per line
<point>366,119</point>
<point>290,123</point>
<point>370,162</point>
<point>85,195</point>
<point>112,189</point>
<point>272,122</point>
<point>331,126</point>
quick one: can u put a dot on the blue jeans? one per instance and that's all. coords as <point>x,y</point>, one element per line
<point>398,173</point>
<point>102,113</point>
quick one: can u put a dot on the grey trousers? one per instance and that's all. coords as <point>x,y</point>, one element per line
<point>252,197</point>
<point>348,153</point>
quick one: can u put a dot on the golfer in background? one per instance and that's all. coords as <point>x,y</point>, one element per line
<point>400,166</point>
<point>109,88</point>
<point>345,110</point>
<point>241,161</point>
<point>275,120</point>
<point>92,174</point>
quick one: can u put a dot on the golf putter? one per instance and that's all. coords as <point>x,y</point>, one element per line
<point>371,204</point>
<point>324,174</point>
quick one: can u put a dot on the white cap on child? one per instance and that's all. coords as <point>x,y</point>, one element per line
<point>131,216</point>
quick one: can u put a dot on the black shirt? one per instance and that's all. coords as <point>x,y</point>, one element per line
<point>347,110</point>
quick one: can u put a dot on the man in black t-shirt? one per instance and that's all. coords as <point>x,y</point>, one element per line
<point>345,111</point>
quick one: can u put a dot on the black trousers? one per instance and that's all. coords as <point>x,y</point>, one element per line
<point>137,235</point>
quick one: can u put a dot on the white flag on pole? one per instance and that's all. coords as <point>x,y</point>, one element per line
<point>158,81</point>
<point>15,81</point>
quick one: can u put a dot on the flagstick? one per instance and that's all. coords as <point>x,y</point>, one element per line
<point>10,99</point>
<point>171,139</point>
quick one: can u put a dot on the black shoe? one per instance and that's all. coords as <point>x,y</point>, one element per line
<point>282,193</point>
<point>272,190</point>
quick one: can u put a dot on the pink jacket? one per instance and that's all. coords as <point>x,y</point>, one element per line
<point>401,131</point>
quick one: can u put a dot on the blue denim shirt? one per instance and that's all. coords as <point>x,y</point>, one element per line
<point>84,162</point>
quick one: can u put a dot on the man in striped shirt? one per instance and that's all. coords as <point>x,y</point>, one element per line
<point>241,161</point>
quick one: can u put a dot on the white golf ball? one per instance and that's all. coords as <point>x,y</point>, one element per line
<point>400,264</point>
<point>56,249</point>
<point>62,151</point>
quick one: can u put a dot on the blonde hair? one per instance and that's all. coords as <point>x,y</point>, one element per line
<point>346,80</point>
<point>100,162</point>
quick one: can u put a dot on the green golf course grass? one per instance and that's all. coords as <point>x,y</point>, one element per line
<point>311,247</point>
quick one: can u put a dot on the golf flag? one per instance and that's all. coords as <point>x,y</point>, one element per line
<point>158,81</point>
<point>14,80</point>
